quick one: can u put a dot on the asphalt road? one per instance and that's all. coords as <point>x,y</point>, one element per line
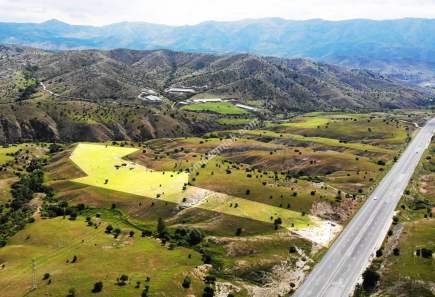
<point>340,269</point>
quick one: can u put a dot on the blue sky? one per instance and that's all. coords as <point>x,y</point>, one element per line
<point>182,12</point>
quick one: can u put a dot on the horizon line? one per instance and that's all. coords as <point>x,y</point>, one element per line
<point>215,21</point>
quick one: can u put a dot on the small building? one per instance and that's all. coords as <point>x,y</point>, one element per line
<point>153,98</point>
<point>181,90</point>
<point>207,100</point>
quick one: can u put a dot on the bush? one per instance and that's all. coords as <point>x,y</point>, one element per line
<point>195,237</point>
<point>122,280</point>
<point>98,287</point>
<point>208,292</point>
<point>426,253</point>
<point>186,282</point>
<point>370,279</point>
<point>71,293</point>
<point>109,229</point>
<point>379,253</point>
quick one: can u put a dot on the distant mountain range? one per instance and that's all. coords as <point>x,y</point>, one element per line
<point>402,49</point>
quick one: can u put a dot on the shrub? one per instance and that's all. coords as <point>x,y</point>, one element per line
<point>71,293</point>
<point>109,229</point>
<point>208,292</point>
<point>426,253</point>
<point>195,237</point>
<point>370,279</point>
<point>122,280</point>
<point>98,287</point>
<point>186,282</point>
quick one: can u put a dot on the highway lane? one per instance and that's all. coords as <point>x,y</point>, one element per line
<point>340,269</point>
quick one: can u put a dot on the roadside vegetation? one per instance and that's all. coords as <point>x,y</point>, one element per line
<point>405,263</point>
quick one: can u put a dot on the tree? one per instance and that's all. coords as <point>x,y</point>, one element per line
<point>98,287</point>
<point>370,279</point>
<point>208,292</point>
<point>195,237</point>
<point>161,228</point>
<point>426,253</point>
<point>109,229</point>
<point>122,280</point>
<point>116,232</point>
<point>71,293</point>
<point>186,282</point>
<point>379,253</point>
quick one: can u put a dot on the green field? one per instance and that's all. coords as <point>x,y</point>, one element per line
<point>100,258</point>
<point>220,107</point>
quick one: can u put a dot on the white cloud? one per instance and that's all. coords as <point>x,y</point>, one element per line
<point>179,12</point>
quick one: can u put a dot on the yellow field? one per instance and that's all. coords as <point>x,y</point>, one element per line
<point>99,163</point>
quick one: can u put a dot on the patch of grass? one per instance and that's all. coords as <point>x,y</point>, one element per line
<point>5,153</point>
<point>379,131</point>
<point>321,140</point>
<point>5,187</point>
<point>307,122</point>
<point>100,257</point>
<point>263,187</point>
<point>233,121</point>
<point>417,234</point>
<point>220,107</point>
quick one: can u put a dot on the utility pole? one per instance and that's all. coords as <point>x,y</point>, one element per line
<point>34,286</point>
